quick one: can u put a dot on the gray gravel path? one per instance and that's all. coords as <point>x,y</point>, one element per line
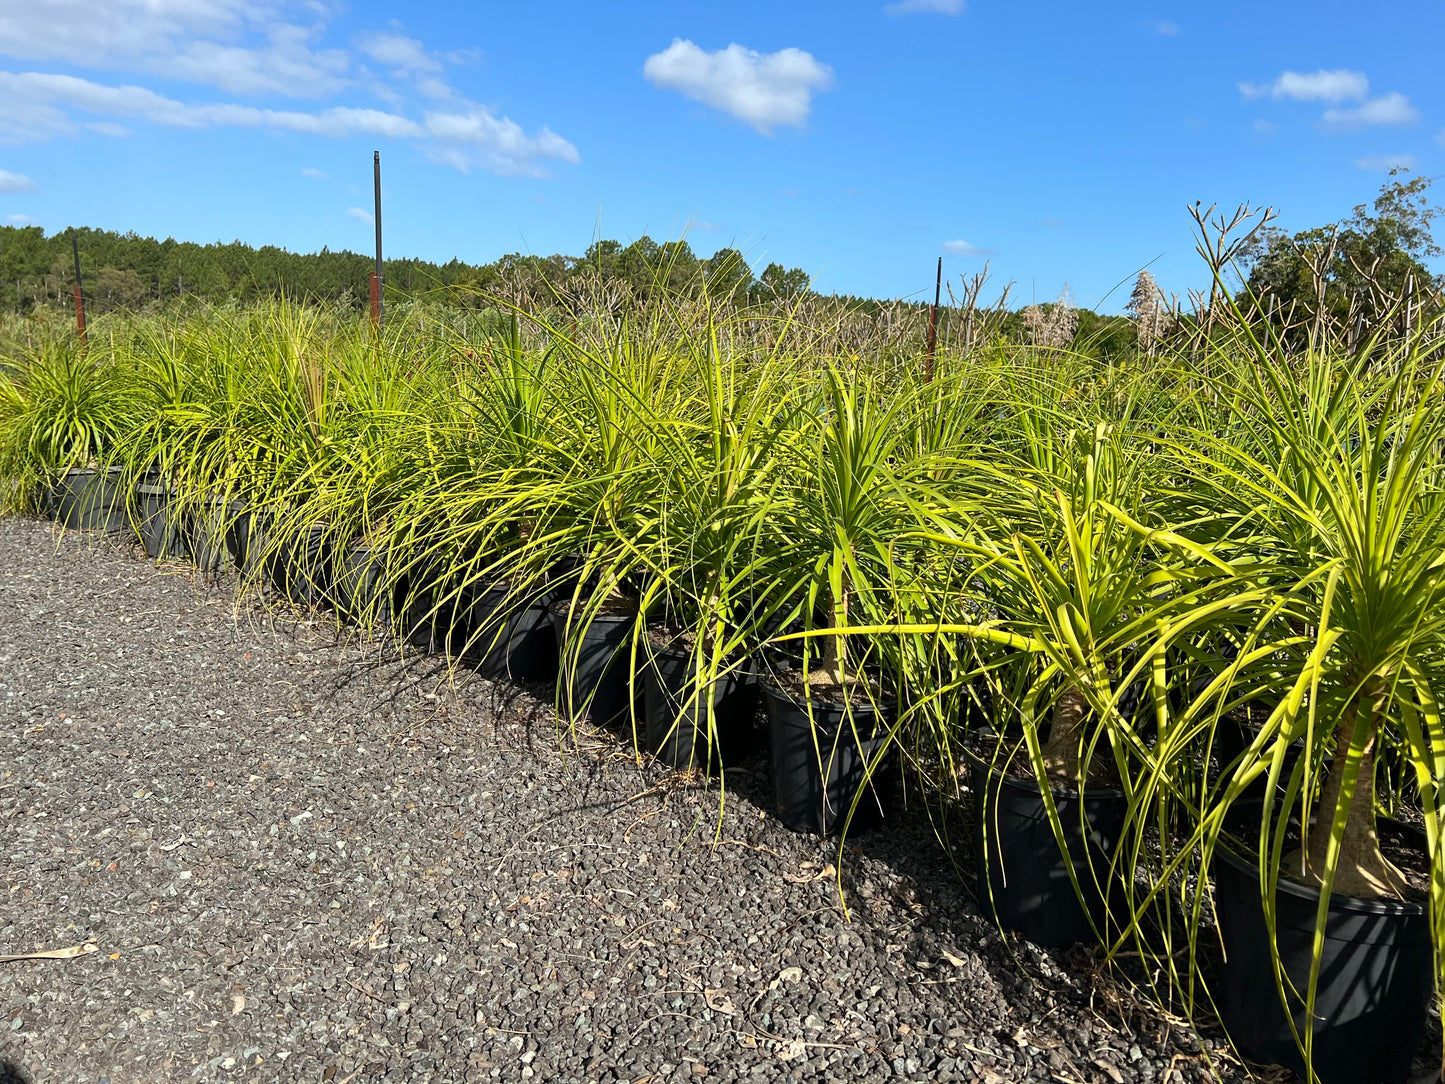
<point>301,859</point>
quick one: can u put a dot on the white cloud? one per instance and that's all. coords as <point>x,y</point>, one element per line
<point>313,174</point>
<point>241,46</point>
<point>97,35</point>
<point>762,89</point>
<point>1388,110</point>
<point>963,248</point>
<point>498,144</point>
<point>431,87</point>
<point>19,220</point>
<point>270,48</point>
<point>286,65</point>
<point>935,7</point>
<point>1383,163</point>
<point>16,182</point>
<point>411,60</point>
<point>1262,127</point>
<point>360,214</point>
<point>398,52</point>
<point>37,104</point>
<point>36,98</point>
<point>1165,28</point>
<point>1334,85</point>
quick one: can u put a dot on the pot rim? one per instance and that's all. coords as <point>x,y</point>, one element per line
<point>886,704</point>
<point>1339,903</point>
<point>1033,783</point>
<point>562,607</point>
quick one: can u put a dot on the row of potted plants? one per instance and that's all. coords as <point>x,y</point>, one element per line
<point>1160,629</point>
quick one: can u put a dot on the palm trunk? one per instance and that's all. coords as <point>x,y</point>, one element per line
<point>1363,871</point>
<point>1061,753</point>
<point>833,668</point>
<point>712,631</point>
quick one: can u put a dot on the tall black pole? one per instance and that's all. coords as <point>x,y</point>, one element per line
<point>79,295</point>
<point>377,279</point>
<point>933,319</point>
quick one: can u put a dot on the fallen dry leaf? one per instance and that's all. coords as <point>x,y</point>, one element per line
<point>956,961</point>
<point>54,954</point>
<point>808,878</point>
<point>719,1002</point>
<point>794,1049</point>
<point>787,974</point>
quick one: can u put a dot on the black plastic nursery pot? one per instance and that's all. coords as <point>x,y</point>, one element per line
<point>302,569</point>
<point>359,585</point>
<point>595,675</point>
<point>248,537</point>
<point>1232,737</point>
<point>157,523</point>
<point>89,499</point>
<point>1023,878</point>
<point>415,618</point>
<point>509,638</point>
<point>1375,985</point>
<point>430,609</point>
<point>214,535</point>
<point>822,759</point>
<point>502,635</point>
<point>675,715</point>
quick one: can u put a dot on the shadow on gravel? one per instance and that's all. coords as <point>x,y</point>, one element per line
<point>930,853</point>
<point>10,1073</point>
<point>397,674</point>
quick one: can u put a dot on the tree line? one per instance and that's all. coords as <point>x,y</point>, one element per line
<point>128,271</point>
<point>1355,273</point>
<point>1365,271</point>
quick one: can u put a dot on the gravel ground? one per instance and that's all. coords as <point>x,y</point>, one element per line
<point>304,859</point>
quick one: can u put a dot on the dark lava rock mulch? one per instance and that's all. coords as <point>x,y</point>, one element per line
<point>302,858</point>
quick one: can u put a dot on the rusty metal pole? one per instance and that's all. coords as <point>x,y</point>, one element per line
<point>933,322</point>
<point>376,280</point>
<point>79,296</point>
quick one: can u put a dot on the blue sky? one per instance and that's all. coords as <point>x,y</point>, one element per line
<point>860,141</point>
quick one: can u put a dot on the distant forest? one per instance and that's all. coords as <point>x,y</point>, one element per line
<point>1365,269</point>
<point>128,271</point>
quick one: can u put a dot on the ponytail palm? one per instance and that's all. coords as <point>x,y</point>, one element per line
<point>720,469</point>
<point>1322,488</point>
<point>1072,555</point>
<point>844,523</point>
<point>63,408</point>
<point>1345,492</point>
